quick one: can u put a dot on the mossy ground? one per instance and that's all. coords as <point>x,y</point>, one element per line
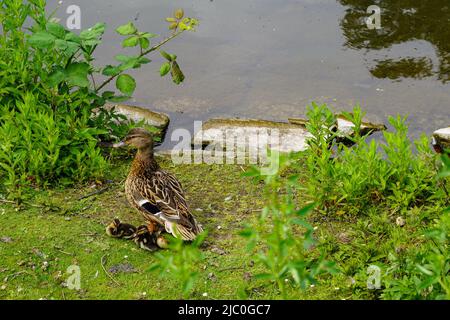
<point>59,228</point>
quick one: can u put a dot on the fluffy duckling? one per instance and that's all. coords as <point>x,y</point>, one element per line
<point>162,242</point>
<point>157,194</point>
<point>145,239</point>
<point>117,229</point>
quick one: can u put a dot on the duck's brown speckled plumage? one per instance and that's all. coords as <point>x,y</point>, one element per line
<point>152,191</point>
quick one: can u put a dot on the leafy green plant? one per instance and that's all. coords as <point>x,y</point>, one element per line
<point>350,179</point>
<point>282,237</point>
<point>52,94</point>
<point>37,150</point>
<point>384,183</point>
<point>426,273</point>
<point>75,52</point>
<point>445,169</point>
<point>181,262</point>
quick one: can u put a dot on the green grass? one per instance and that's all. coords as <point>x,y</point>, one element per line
<point>43,237</point>
<point>61,230</point>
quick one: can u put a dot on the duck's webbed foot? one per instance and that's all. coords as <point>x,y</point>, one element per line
<point>117,229</point>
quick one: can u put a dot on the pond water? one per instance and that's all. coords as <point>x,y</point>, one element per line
<point>268,59</point>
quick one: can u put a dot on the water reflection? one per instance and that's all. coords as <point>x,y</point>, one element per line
<point>416,68</point>
<point>402,21</point>
<point>269,59</point>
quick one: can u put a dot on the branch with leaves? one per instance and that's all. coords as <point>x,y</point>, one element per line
<point>78,51</point>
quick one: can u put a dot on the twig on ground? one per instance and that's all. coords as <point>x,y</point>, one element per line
<point>94,193</point>
<point>26,203</point>
<point>91,234</point>
<point>8,201</point>
<point>103,261</point>
<point>12,276</point>
<point>68,253</point>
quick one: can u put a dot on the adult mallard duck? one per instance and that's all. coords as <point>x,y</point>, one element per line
<point>157,194</point>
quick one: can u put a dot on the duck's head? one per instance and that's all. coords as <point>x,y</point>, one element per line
<point>138,138</point>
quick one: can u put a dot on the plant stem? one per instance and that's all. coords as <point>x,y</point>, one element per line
<point>93,82</point>
<point>156,47</point>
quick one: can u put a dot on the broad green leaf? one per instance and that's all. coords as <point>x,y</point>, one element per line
<point>107,94</point>
<point>147,35</point>
<point>68,48</point>
<point>126,29</point>
<point>91,43</point>
<point>60,44</point>
<point>70,36</point>
<point>144,42</point>
<point>144,60</point>
<point>131,41</point>
<point>56,77</point>
<point>72,47</point>
<point>167,56</point>
<point>134,63</point>
<point>126,84</point>
<point>128,62</point>
<point>424,270</point>
<point>165,68</point>
<point>77,74</point>
<point>425,284</point>
<point>124,58</point>
<point>42,40</point>
<point>110,71</point>
<point>56,29</point>
<point>94,32</point>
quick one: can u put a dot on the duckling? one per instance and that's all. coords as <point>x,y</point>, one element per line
<point>145,239</point>
<point>161,242</point>
<point>157,194</point>
<point>117,229</point>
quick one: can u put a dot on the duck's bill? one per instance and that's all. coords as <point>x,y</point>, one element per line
<point>119,144</point>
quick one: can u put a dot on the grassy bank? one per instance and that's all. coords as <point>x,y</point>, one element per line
<point>59,228</point>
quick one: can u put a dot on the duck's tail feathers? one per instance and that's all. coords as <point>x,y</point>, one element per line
<point>183,232</point>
